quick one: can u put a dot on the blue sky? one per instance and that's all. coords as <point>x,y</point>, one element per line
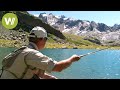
<point>108,17</point>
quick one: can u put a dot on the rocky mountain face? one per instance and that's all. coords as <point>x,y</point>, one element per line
<point>98,33</point>
<point>27,22</point>
<point>20,33</point>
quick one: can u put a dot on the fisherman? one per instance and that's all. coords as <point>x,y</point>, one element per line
<point>32,64</point>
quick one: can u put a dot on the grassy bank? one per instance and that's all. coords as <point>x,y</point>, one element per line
<point>10,43</point>
<point>71,41</point>
<point>14,43</point>
<point>57,45</point>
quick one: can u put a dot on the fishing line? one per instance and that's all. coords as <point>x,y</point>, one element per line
<point>92,52</point>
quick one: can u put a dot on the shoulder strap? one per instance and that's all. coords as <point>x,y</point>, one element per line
<point>10,58</point>
<point>26,69</point>
<point>1,72</point>
<point>18,51</point>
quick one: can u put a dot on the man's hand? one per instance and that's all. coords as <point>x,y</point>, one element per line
<point>47,76</point>
<point>63,64</point>
<point>75,58</point>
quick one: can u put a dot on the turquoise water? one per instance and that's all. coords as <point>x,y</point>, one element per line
<point>102,65</point>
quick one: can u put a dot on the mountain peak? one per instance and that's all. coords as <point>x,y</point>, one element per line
<point>62,16</point>
<point>43,14</point>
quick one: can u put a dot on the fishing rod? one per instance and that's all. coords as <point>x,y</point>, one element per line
<point>92,52</point>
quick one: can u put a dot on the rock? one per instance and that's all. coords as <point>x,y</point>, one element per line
<point>64,47</point>
<point>75,47</point>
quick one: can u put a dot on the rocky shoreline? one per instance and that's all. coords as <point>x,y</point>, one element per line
<point>12,38</point>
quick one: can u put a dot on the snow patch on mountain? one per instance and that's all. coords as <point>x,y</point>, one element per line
<point>83,27</point>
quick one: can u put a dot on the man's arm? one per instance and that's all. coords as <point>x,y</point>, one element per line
<point>37,74</point>
<point>61,65</point>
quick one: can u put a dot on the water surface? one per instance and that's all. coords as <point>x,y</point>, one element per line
<point>102,65</point>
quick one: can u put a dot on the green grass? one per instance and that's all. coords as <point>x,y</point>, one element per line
<point>75,41</point>
<point>6,43</point>
<point>14,43</point>
<point>78,40</point>
<point>50,38</point>
<point>10,43</point>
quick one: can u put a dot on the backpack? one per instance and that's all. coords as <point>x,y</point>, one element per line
<point>10,58</point>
